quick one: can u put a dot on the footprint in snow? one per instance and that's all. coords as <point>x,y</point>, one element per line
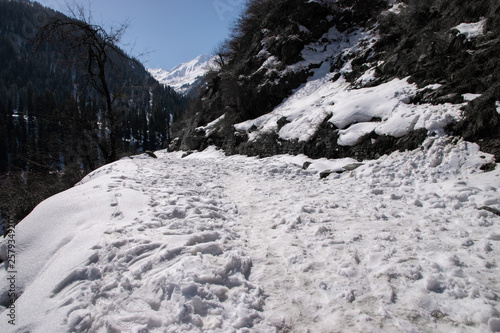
<point>114,199</point>
<point>117,215</point>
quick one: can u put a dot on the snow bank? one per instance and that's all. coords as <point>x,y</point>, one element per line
<point>383,109</point>
<point>214,243</point>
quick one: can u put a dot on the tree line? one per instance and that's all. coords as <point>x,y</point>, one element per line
<point>65,108</point>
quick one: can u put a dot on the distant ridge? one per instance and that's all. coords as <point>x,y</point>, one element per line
<point>186,77</point>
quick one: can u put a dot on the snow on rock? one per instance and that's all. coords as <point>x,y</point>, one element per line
<point>308,106</point>
<point>362,105</point>
<point>471,30</point>
<point>212,126</point>
<point>214,243</point>
<point>384,109</point>
<point>470,97</point>
<point>352,135</point>
<point>396,7</point>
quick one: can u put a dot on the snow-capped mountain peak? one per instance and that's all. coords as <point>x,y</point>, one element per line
<point>185,77</point>
<point>196,66</point>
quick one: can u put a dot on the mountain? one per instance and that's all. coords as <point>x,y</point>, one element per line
<point>185,78</point>
<point>351,79</point>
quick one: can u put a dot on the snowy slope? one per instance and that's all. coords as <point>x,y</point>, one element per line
<point>355,109</point>
<point>237,244</point>
<point>184,77</point>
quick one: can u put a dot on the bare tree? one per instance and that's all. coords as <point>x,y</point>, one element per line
<point>221,54</point>
<point>94,51</point>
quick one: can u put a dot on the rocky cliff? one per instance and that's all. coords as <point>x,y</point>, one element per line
<point>351,78</point>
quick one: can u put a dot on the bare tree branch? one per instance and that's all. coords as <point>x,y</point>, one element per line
<point>94,50</point>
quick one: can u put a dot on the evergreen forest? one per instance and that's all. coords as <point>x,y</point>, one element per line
<point>53,123</point>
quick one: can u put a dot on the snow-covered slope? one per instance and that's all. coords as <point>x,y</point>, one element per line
<point>348,80</point>
<point>237,244</point>
<point>184,77</point>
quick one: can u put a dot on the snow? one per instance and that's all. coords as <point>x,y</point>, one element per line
<point>352,135</point>
<point>303,109</point>
<point>270,62</point>
<point>212,126</point>
<point>309,105</point>
<point>470,97</point>
<point>405,243</point>
<point>362,105</point>
<point>435,86</point>
<point>183,77</point>
<point>383,109</point>
<point>497,104</point>
<point>355,109</point>
<point>217,244</point>
<point>396,7</point>
<point>367,77</point>
<point>322,1</point>
<point>471,30</point>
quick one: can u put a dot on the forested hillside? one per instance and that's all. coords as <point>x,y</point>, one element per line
<point>53,125</point>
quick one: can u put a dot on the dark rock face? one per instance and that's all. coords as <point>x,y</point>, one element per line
<point>482,122</point>
<point>419,41</point>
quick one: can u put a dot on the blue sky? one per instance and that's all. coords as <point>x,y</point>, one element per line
<point>169,32</point>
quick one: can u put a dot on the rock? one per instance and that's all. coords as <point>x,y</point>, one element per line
<point>488,167</point>
<point>418,43</point>
<point>326,173</point>
<point>306,165</point>
<point>282,122</point>
<point>150,154</point>
<point>351,167</point>
<point>438,314</point>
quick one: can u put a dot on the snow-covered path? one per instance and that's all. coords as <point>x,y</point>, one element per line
<point>223,244</point>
